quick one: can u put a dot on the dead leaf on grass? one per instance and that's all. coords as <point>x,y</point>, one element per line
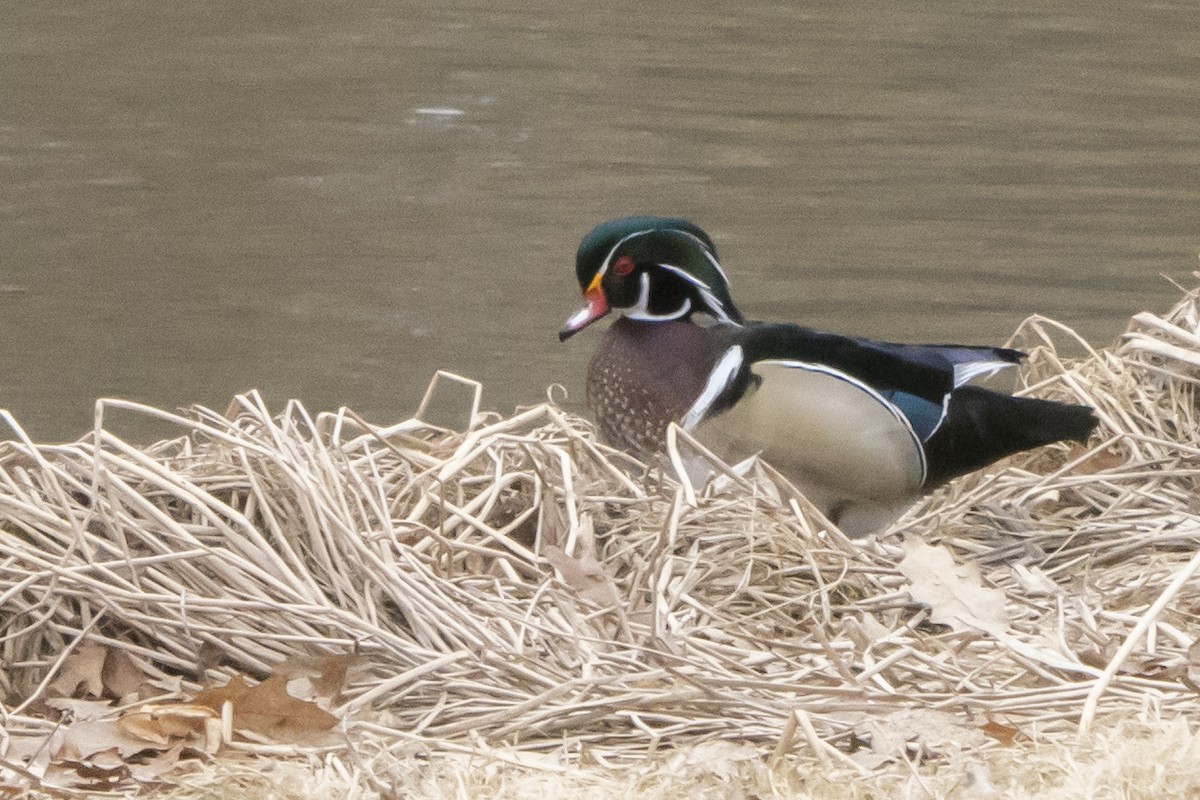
<point>34,753</point>
<point>325,674</point>
<point>585,574</point>
<point>892,735</point>
<point>957,597</point>
<point>166,724</point>
<point>210,656</point>
<point>87,738</point>
<point>266,708</point>
<point>80,710</point>
<point>81,673</point>
<point>954,592</point>
<point>95,670</point>
<point>1004,734</point>
<point>121,675</point>
<point>154,767</point>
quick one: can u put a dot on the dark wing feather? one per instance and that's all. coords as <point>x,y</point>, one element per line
<point>928,371</point>
<point>966,361</point>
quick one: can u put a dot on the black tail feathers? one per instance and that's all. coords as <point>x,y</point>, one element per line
<point>983,426</point>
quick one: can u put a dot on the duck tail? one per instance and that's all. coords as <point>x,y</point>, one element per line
<point>982,426</point>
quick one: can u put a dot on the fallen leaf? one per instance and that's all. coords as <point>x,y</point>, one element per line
<point>957,597</point>
<point>152,768</point>
<point>97,671</point>
<point>121,675</point>
<point>164,724</point>
<point>326,674</point>
<point>106,760</point>
<point>210,656</point>
<point>109,775</point>
<point>34,752</point>
<point>891,735</point>
<point>1004,734</point>
<point>954,592</point>
<point>331,677</point>
<point>1098,461</point>
<point>81,710</point>
<point>85,739</point>
<point>584,574</point>
<point>81,673</point>
<point>266,708</point>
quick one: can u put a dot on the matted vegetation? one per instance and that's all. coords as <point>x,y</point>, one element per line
<point>521,592</point>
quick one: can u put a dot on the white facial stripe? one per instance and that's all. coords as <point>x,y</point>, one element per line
<point>642,310</point>
<point>714,305</point>
<point>607,259</point>
<point>697,239</point>
<point>707,253</point>
<point>719,379</point>
<point>687,276</point>
<point>713,260</point>
<point>703,247</point>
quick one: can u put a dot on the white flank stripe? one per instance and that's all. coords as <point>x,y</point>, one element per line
<point>718,380</point>
<point>942,418</point>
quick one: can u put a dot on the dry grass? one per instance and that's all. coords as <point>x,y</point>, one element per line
<point>1127,761</point>
<point>521,594</point>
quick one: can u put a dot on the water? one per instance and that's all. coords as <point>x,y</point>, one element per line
<point>331,200</point>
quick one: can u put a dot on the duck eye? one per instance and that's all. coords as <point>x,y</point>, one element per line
<point>622,266</point>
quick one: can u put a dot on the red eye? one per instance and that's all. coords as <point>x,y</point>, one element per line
<point>622,266</point>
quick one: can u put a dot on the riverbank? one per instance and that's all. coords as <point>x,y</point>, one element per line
<point>407,609</point>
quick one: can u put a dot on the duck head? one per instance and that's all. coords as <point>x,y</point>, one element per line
<point>653,269</point>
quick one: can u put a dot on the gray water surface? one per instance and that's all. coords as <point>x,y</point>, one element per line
<point>330,200</point>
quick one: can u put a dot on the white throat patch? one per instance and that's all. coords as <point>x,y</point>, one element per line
<point>642,312</point>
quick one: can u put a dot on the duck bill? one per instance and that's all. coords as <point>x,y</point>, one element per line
<point>597,307</point>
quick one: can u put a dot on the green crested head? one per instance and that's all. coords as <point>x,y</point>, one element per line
<point>646,230</point>
<point>653,269</point>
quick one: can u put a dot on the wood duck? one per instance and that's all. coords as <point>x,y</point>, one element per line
<point>863,428</point>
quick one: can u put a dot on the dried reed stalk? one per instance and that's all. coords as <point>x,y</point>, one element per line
<point>524,583</point>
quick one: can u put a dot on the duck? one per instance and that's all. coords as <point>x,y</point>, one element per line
<point>862,428</point>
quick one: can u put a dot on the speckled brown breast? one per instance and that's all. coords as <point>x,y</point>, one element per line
<point>646,375</point>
